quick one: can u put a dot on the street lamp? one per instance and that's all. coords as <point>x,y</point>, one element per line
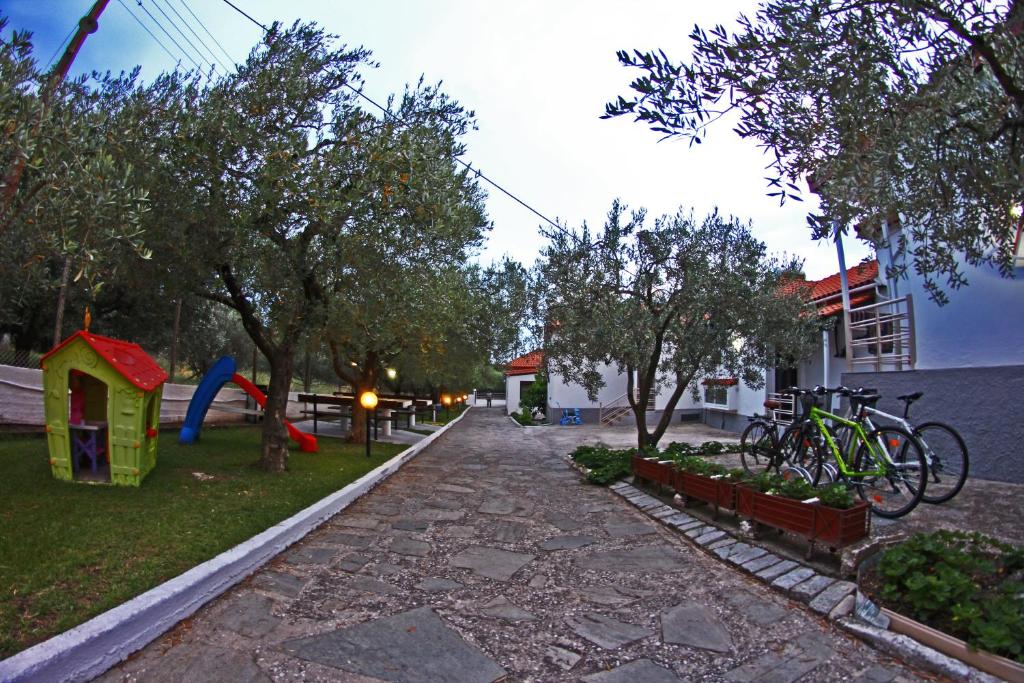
<point>391,373</point>
<point>368,400</point>
<point>447,401</point>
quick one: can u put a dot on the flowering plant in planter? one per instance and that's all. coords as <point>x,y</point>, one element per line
<point>706,481</point>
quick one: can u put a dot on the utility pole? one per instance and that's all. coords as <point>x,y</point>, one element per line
<point>86,25</point>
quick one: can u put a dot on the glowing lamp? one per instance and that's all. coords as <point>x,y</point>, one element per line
<point>391,373</point>
<point>447,400</point>
<point>368,400</point>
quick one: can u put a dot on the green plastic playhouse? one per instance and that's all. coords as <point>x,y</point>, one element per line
<point>102,404</point>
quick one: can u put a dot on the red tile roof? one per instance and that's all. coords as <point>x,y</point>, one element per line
<point>818,290</point>
<point>128,359</point>
<point>525,365</point>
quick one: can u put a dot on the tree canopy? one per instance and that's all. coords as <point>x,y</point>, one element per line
<point>896,110</point>
<point>667,304</point>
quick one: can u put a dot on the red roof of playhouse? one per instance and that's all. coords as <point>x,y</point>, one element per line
<point>819,290</point>
<point>525,365</point>
<point>127,358</point>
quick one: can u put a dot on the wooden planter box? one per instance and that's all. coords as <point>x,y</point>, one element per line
<point>817,523</point>
<point>717,492</point>
<point>653,471</point>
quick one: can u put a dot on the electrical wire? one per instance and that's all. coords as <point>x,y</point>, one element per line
<point>151,35</point>
<point>177,27</point>
<point>184,21</point>
<point>61,46</point>
<point>167,33</point>
<point>478,173</point>
<point>207,31</point>
<point>236,8</point>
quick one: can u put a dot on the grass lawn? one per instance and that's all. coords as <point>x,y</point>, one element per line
<point>69,551</point>
<point>446,416</point>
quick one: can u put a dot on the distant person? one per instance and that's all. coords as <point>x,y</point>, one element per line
<point>489,396</point>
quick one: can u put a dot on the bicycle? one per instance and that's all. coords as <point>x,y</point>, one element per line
<point>944,449</point>
<point>759,441</point>
<point>886,467</point>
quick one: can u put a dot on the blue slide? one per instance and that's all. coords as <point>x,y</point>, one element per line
<point>219,375</point>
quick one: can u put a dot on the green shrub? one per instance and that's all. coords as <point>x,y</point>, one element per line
<point>697,465</point>
<point>836,495</point>
<point>966,584</point>
<point>523,418</point>
<point>606,465</point>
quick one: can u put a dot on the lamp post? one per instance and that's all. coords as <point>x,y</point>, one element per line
<point>368,400</point>
<point>447,401</point>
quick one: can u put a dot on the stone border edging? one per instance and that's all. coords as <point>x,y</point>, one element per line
<point>91,648</point>
<point>830,598</point>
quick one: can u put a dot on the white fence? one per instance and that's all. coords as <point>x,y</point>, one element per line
<point>21,400</point>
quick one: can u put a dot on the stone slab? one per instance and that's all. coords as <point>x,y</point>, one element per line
<point>491,563</point>
<point>652,558</point>
<point>501,608</point>
<point>392,648</point>
<point>510,532</point>
<point>700,530</point>
<point>745,555</point>
<point>710,537</point>
<point>563,522</point>
<point>311,555</point>
<point>628,529</point>
<point>249,615</point>
<point>411,525</point>
<point>351,540</point>
<point>776,570</point>
<point>437,585</point>
<point>566,542</point>
<point>721,543</point>
<point>368,584</point>
<point>606,632</point>
<point>287,585</point>
<point>694,625</point>
<point>637,671</point>
<point>755,608</point>
<point>761,563</point>
<point>679,519</point>
<point>805,591</point>
<point>662,512</point>
<point>409,546</point>
<point>827,599</point>
<point>614,596</point>
<point>358,521</point>
<point>790,579</point>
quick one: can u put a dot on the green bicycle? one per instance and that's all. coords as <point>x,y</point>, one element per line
<point>886,466</point>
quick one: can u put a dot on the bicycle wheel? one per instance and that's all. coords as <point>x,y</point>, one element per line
<point>800,447</point>
<point>757,447</point>
<point>946,454</point>
<point>901,488</point>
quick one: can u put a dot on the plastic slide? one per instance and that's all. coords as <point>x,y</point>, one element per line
<point>222,372</point>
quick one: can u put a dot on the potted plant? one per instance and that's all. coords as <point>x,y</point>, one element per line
<point>651,468</point>
<point>710,482</point>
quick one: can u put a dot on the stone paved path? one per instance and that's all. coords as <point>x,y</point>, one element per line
<point>487,557</point>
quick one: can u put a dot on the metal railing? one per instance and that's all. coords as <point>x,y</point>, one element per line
<point>883,335</point>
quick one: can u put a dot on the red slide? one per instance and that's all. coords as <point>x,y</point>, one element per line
<point>307,442</point>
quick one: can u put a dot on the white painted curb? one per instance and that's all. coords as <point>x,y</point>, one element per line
<point>91,648</point>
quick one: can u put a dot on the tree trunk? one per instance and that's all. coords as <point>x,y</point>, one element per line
<point>357,433</point>
<point>174,339</point>
<point>62,298</point>
<point>274,454</point>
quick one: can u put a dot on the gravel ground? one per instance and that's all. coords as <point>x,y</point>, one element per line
<point>487,558</point>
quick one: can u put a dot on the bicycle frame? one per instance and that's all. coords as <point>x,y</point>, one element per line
<point>867,411</point>
<point>816,415</point>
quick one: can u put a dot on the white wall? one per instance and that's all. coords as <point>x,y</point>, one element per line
<point>563,395</point>
<point>512,394</point>
<point>981,326</point>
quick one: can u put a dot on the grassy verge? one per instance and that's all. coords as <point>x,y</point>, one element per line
<point>70,551</point>
<point>446,416</point>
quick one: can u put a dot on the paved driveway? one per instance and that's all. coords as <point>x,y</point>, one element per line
<point>486,557</point>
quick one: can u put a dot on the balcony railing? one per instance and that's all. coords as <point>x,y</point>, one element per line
<point>883,335</point>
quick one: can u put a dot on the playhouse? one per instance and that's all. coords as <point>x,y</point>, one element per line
<point>102,404</point>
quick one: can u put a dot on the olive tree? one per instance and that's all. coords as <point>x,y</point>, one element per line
<point>894,110</point>
<point>666,303</point>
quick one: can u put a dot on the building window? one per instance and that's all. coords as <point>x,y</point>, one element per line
<point>716,395</point>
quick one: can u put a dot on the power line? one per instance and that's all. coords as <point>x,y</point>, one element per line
<point>146,29</point>
<point>478,173</point>
<point>61,46</point>
<point>235,7</point>
<point>212,37</point>
<point>167,33</point>
<point>177,27</point>
<point>184,21</point>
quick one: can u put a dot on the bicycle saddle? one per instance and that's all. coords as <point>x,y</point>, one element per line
<point>910,398</point>
<point>772,405</point>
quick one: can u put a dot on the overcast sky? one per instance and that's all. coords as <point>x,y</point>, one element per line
<point>536,73</point>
